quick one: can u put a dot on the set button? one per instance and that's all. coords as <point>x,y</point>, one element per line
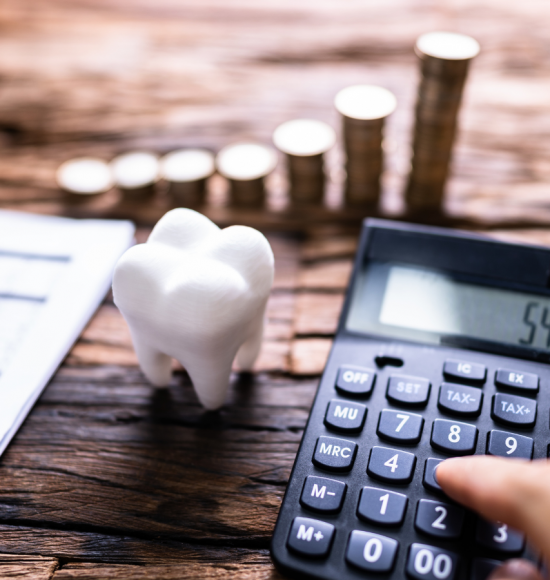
<point>355,381</point>
<point>405,390</point>
<point>514,410</point>
<point>464,371</point>
<point>334,454</point>
<point>345,416</point>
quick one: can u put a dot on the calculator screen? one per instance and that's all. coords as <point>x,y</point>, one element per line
<point>414,303</point>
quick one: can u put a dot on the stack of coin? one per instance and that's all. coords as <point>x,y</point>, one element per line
<point>444,60</point>
<point>245,166</point>
<point>84,177</point>
<point>136,173</point>
<point>363,109</point>
<point>186,172</point>
<point>304,141</point>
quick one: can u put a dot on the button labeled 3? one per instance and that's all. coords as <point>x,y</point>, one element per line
<point>310,537</point>
<point>499,537</point>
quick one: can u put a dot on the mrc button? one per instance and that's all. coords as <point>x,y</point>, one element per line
<point>345,416</point>
<point>334,454</point>
<point>464,371</point>
<point>514,410</point>
<point>510,379</point>
<point>355,381</point>
<point>310,537</point>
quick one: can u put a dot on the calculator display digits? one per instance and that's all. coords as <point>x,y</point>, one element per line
<point>442,350</point>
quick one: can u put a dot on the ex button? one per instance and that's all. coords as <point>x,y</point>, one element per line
<point>514,410</point>
<point>355,381</point>
<point>310,537</point>
<point>465,371</point>
<point>334,454</point>
<point>345,416</point>
<point>517,380</point>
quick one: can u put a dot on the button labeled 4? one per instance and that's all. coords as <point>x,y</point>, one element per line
<point>391,465</point>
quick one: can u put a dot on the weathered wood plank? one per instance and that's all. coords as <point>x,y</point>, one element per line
<point>317,313</point>
<point>27,567</point>
<point>308,356</point>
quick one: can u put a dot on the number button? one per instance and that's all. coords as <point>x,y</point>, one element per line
<point>519,380</point>
<point>429,481</point>
<point>453,437</point>
<point>334,454</point>
<point>400,427</point>
<point>355,381</point>
<point>465,371</point>
<point>345,416</point>
<point>430,563</point>
<point>514,410</point>
<point>439,519</point>
<point>391,465</point>
<point>460,400</point>
<point>322,494</point>
<point>499,537</point>
<point>403,390</point>
<point>310,537</point>
<point>371,552</point>
<point>509,445</point>
<point>383,507</point>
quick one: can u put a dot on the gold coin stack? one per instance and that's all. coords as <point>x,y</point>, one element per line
<point>136,174</point>
<point>364,109</point>
<point>444,61</point>
<point>304,142</point>
<point>245,166</point>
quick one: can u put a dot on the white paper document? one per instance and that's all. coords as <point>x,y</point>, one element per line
<point>54,273</point>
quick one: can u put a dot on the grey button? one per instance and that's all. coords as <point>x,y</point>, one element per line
<point>407,390</point>
<point>355,381</point>
<point>429,480</point>
<point>334,454</point>
<point>431,563</point>
<point>499,537</point>
<point>345,416</point>
<point>438,519</point>
<point>399,426</point>
<point>310,537</point>
<point>465,371</point>
<point>514,410</point>
<point>381,506</point>
<point>391,465</point>
<point>483,567</point>
<point>507,444</point>
<point>513,379</point>
<point>322,494</point>
<point>371,552</point>
<point>459,399</point>
<point>454,437</point>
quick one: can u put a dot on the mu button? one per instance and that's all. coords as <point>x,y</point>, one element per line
<point>310,537</point>
<point>345,416</point>
<point>334,454</point>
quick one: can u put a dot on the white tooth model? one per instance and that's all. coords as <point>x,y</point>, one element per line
<point>198,294</point>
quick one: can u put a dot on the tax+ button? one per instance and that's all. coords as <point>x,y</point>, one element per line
<point>514,410</point>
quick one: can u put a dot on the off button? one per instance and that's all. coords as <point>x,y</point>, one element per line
<point>355,381</point>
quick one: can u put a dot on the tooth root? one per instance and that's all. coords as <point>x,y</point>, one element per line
<point>156,366</point>
<point>210,377</point>
<point>250,349</point>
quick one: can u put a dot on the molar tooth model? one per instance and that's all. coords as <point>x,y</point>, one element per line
<point>198,294</point>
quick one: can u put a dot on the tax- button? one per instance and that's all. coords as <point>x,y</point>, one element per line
<point>310,537</point>
<point>519,380</point>
<point>334,454</point>
<point>465,371</point>
<point>371,552</point>
<point>460,400</point>
<point>454,437</point>
<point>355,381</point>
<point>345,416</point>
<point>514,410</point>
<point>322,494</point>
<point>406,390</point>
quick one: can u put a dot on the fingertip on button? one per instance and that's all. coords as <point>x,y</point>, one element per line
<point>516,570</point>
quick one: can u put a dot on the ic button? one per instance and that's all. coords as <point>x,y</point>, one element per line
<point>465,371</point>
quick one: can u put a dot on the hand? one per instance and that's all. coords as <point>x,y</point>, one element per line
<point>512,491</point>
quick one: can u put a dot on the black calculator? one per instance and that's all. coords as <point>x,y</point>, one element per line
<point>442,350</point>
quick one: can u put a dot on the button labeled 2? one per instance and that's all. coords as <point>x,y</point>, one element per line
<point>439,519</point>
<point>310,537</point>
<point>371,552</point>
<point>391,465</point>
<point>381,506</point>
<point>334,454</point>
<point>345,416</point>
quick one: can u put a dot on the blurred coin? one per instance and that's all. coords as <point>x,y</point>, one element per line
<point>84,176</point>
<point>365,102</point>
<point>136,173</point>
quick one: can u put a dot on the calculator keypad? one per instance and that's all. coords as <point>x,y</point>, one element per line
<point>507,444</point>
<point>322,494</point>
<point>514,410</point>
<point>334,454</point>
<point>497,536</point>
<point>460,400</point>
<point>310,537</point>
<point>404,390</point>
<point>381,506</point>
<point>391,465</point>
<point>345,416</point>
<point>454,437</point>
<point>438,519</point>
<point>431,563</point>
<point>371,552</point>
<point>400,427</point>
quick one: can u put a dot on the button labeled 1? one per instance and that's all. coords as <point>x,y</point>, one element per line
<point>310,537</point>
<point>430,563</point>
<point>371,552</point>
<point>381,506</point>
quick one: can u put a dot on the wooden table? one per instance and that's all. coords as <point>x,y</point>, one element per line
<point>110,477</point>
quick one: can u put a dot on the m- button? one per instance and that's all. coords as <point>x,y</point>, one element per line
<point>355,381</point>
<point>465,371</point>
<point>334,454</point>
<point>322,494</point>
